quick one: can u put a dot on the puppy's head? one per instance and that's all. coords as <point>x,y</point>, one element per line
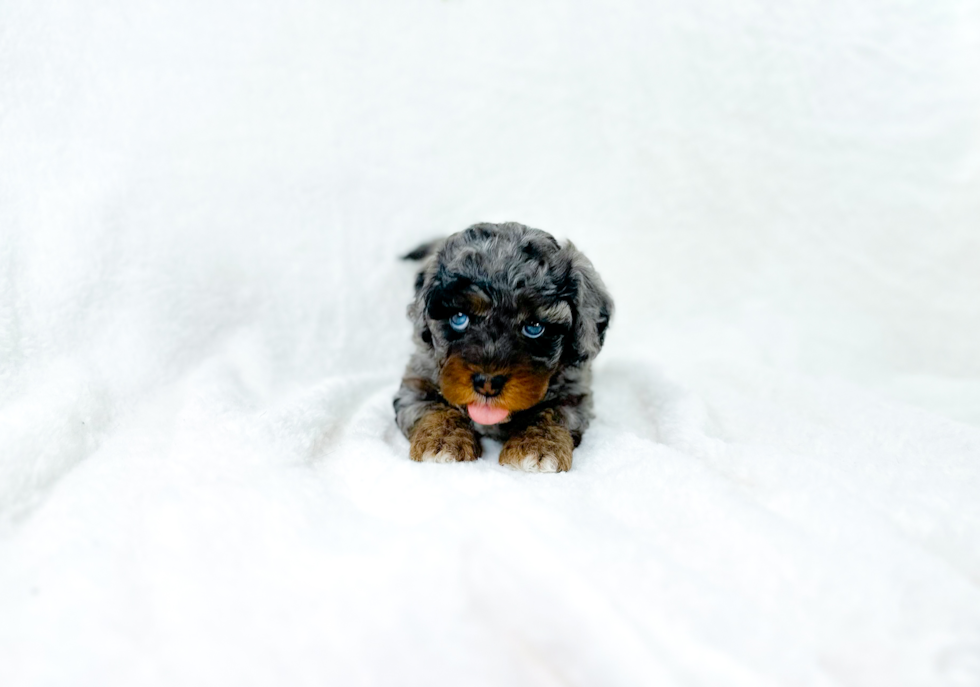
<point>503,308</point>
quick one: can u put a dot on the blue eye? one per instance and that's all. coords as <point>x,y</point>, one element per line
<point>459,322</point>
<point>533,330</point>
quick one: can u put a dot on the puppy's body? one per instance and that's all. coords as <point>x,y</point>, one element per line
<point>506,324</point>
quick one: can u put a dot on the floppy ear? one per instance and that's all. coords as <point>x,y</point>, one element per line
<point>424,285</point>
<point>592,307</point>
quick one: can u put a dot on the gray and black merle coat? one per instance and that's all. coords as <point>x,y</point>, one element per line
<point>506,324</point>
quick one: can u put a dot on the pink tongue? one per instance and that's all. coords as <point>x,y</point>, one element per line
<point>487,415</point>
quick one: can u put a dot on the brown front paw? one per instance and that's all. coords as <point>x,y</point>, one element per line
<point>443,435</point>
<point>544,447</point>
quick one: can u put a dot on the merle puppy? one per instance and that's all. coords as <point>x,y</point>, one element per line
<point>507,322</point>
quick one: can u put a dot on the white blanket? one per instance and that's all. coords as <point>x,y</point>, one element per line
<point>202,326</point>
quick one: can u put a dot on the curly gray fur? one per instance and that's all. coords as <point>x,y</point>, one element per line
<point>525,273</point>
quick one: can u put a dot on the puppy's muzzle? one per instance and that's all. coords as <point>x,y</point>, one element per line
<point>488,385</point>
<point>508,389</point>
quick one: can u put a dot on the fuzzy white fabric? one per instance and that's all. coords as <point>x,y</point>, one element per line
<point>202,326</point>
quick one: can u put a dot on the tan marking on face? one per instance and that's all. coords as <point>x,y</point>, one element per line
<point>525,387</point>
<point>559,313</point>
<point>479,302</point>
<point>456,382</point>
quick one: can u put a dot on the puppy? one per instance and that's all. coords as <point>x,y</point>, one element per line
<point>507,322</point>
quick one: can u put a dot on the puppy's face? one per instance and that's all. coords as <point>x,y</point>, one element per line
<point>503,308</point>
<point>501,348</point>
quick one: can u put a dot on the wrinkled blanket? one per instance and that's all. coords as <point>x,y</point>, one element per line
<point>202,325</point>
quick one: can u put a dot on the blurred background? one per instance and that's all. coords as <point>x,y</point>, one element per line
<point>771,191</point>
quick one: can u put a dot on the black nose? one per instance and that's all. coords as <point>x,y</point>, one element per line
<point>487,385</point>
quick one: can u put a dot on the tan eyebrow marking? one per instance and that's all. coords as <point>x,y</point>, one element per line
<point>478,301</point>
<point>559,313</point>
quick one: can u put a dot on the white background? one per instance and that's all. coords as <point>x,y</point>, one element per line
<point>202,325</point>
